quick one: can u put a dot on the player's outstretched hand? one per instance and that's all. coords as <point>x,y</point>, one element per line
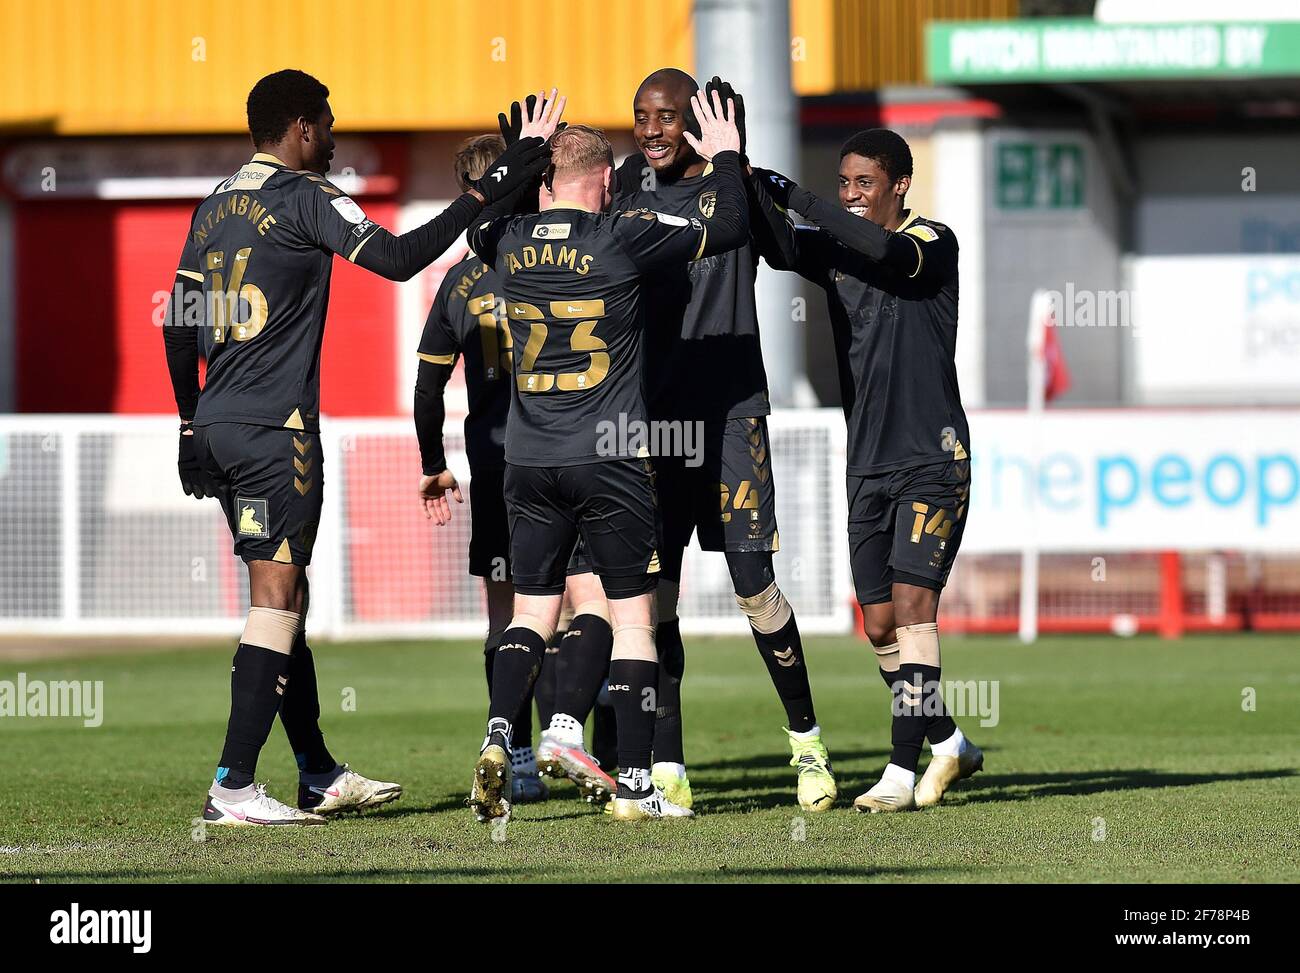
<point>194,480</point>
<point>727,92</point>
<point>539,116</point>
<point>778,186</point>
<point>518,166</point>
<point>433,496</point>
<point>718,132</point>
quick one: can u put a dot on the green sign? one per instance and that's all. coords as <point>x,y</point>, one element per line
<point>1080,49</point>
<point>1039,175</point>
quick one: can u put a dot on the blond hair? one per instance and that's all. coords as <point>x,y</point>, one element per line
<point>578,150</point>
<point>475,155</point>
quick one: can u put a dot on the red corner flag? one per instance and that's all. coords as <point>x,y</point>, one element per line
<point>1049,378</point>
<point>1056,374</point>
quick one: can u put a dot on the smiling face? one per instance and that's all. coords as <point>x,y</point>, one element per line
<point>659,119</point>
<point>867,191</point>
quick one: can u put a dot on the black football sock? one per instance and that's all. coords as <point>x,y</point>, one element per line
<point>604,735</point>
<point>631,684</point>
<point>782,651</point>
<point>521,734</point>
<point>582,664</point>
<point>300,712</point>
<point>912,684</point>
<point>257,679</point>
<point>938,726</point>
<point>514,670</point>
<point>668,717</point>
<point>544,689</point>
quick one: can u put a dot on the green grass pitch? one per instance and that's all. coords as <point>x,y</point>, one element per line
<point>1112,761</point>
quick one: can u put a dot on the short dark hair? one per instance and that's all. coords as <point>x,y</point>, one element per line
<point>280,99</point>
<point>887,148</point>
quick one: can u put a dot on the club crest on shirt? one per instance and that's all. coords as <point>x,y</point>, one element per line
<point>707,202</point>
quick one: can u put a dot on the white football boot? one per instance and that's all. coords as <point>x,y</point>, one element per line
<point>257,809</point>
<point>888,794</point>
<point>653,805</point>
<point>561,753</point>
<point>348,791</point>
<point>945,771</point>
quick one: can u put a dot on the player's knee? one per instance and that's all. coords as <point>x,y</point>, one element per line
<point>914,604</point>
<point>634,642</point>
<point>751,572</point>
<point>767,611</point>
<point>271,628</point>
<point>534,623</point>
<point>879,631</point>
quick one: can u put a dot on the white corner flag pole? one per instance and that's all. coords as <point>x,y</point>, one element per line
<point>1040,309</point>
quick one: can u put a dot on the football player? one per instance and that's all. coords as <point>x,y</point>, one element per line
<point>577,306</point>
<point>890,277</point>
<point>257,261</point>
<point>468,319</point>
<point>704,365</point>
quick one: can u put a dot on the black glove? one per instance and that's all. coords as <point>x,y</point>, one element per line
<point>777,186</point>
<point>511,127</point>
<point>194,479</point>
<point>518,167</point>
<point>725,91</point>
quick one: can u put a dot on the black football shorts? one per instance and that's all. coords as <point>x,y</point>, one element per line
<point>270,485</point>
<point>489,537</point>
<point>905,527</point>
<point>729,499</point>
<point>610,505</point>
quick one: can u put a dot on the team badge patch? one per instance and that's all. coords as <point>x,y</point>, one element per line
<point>349,210</point>
<point>253,520</point>
<point>707,203</point>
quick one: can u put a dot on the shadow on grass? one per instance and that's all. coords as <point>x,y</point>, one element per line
<point>1023,787</point>
<point>476,873</point>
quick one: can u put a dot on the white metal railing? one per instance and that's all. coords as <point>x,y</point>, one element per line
<point>96,537</point>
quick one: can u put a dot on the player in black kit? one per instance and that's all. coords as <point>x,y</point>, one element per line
<point>574,296</point>
<point>468,319</point>
<point>890,277</point>
<point>704,367</point>
<point>254,279</point>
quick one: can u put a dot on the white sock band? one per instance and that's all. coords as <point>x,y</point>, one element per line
<point>597,606</point>
<point>534,623</point>
<point>768,611</point>
<point>271,628</point>
<point>887,656</point>
<point>919,644</point>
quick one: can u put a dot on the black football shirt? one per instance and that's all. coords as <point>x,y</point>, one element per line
<point>262,245</point>
<point>703,359</point>
<point>577,308</point>
<point>895,345</point>
<point>468,318</point>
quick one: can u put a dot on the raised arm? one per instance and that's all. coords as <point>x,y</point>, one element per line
<point>873,241</point>
<point>336,222</point>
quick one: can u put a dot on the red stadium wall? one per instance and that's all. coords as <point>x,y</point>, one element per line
<point>87,273</point>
